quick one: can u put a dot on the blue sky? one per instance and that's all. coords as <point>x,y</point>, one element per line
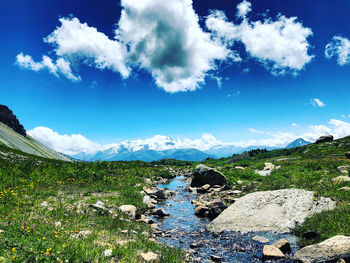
<point>105,107</point>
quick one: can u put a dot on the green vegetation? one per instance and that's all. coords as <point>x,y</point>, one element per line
<point>46,213</point>
<point>46,217</point>
<point>312,167</point>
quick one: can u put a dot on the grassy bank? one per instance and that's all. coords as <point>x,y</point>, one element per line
<point>312,167</point>
<point>46,217</point>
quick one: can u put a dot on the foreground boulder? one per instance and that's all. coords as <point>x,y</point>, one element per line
<point>278,211</point>
<point>272,252</point>
<point>205,175</point>
<point>130,210</point>
<point>325,138</point>
<point>330,250</point>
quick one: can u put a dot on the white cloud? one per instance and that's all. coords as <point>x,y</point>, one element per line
<point>161,37</point>
<point>78,41</point>
<point>61,67</point>
<point>165,39</point>
<point>77,143</point>
<point>280,45</point>
<point>294,124</point>
<point>252,130</point>
<point>243,9</point>
<point>339,47</point>
<point>317,103</point>
<point>68,144</point>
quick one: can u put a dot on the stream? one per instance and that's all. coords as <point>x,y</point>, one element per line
<point>183,228</point>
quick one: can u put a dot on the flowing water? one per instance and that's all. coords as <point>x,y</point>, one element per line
<point>182,228</point>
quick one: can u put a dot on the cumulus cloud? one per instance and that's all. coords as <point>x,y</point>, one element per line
<point>317,103</point>
<point>60,67</point>
<point>243,8</point>
<point>77,143</point>
<point>76,40</point>
<point>339,47</point>
<point>67,144</point>
<point>165,39</point>
<point>280,45</point>
<point>294,124</point>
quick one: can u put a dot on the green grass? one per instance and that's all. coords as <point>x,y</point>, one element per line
<point>310,167</point>
<point>31,233</point>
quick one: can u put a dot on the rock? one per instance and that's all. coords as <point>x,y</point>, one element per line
<point>282,245</point>
<point>239,167</point>
<point>148,181</point>
<point>344,169</point>
<point>325,138</point>
<point>8,118</point>
<point>201,211</point>
<point>215,258</point>
<point>268,169</point>
<point>341,179</point>
<point>215,208</point>
<point>272,252</point>
<point>100,209</point>
<point>108,252</point>
<point>159,213</point>
<point>278,211</point>
<point>130,210</point>
<point>44,204</point>
<point>205,188</point>
<point>347,155</point>
<point>260,239</point>
<point>330,250</point>
<point>100,203</point>
<point>149,256</point>
<point>311,234</point>
<point>169,193</point>
<point>206,175</point>
<point>345,188</point>
<point>82,234</point>
<point>196,245</point>
<point>147,200</point>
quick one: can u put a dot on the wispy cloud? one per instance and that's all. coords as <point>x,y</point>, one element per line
<point>317,103</point>
<point>252,130</point>
<point>339,47</point>
<point>60,67</point>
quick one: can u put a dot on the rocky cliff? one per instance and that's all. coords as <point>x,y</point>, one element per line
<point>8,118</point>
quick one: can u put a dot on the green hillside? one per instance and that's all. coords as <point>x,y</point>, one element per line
<point>12,139</point>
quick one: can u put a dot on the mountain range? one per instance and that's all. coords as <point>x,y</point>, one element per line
<point>13,135</point>
<point>125,152</point>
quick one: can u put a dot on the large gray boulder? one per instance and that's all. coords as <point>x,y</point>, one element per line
<point>278,211</point>
<point>330,250</point>
<point>325,138</point>
<point>205,175</point>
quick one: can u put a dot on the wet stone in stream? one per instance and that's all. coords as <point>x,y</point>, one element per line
<point>184,230</point>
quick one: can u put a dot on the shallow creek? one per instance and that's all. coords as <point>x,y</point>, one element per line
<point>182,228</point>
